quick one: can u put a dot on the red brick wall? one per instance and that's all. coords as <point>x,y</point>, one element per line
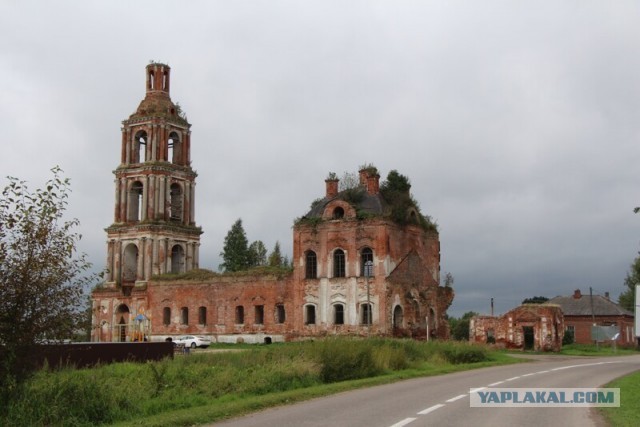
<point>582,327</point>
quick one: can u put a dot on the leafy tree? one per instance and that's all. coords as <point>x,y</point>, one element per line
<point>235,252</point>
<point>460,327</point>
<point>275,258</point>
<point>448,280</point>
<point>349,181</point>
<point>535,300</point>
<point>628,297</point>
<point>42,277</point>
<point>257,254</point>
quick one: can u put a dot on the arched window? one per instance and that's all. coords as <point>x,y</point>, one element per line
<point>130,265</point>
<point>165,81</point>
<point>239,315</point>
<point>202,315</point>
<point>338,314</point>
<point>135,201</point>
<point>280,313</point>
<point>184,315</point>
<point>177,259</point>
<point>151,80</point>
<point>365,314</point>
<point>311,265</point>
<point>366,262</point>
<point>338,213</point>
<point>176,202</point>
<point>174,148</point>
<point>338,263</point>
<point>309,314</point>
<point>140,147</point>
<point>398,321</point>
<point>166,316</point>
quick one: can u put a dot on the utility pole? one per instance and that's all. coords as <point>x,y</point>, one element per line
<point>593,315</point>
<point>491,307</point>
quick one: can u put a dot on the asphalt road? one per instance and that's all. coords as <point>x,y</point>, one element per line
<point>444,400</point>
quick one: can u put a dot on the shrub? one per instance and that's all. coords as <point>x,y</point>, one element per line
<point>465,354</point>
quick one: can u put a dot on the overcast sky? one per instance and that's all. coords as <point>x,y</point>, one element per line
<point>517,122</point>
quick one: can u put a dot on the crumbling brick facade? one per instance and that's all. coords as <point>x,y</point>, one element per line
<point>361,265</point>
<point>538,327</point>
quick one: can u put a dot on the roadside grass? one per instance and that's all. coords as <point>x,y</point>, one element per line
<point>628,414</point>
<point>583,350</point>
<point>205,387</point>
<point>593,350</point>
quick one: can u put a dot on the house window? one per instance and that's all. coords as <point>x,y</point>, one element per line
<point>311,265</point>
<point>280,313</point>
<point>366,258</point>
<point>365,314</point>
<point>239,315</point>
<point>259,314</point>
<point>338,263</point>
<point>338,314</point>
<point>166,316</point>
<point>202,315</point>
<point>338,213</point>
<point>310,314</point>
<point>184,315</point>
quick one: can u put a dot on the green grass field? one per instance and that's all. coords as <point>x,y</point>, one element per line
<point>628,414</point>
<point>206,387</point>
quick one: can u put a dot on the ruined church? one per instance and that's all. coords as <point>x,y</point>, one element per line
<point>365,260</point>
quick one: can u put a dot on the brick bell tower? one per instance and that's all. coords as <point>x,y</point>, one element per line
<point>154,230</point>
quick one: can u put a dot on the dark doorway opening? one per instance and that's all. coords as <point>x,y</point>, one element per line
<point>528,337</point>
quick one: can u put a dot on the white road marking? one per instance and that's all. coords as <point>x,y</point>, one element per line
<point>498,383</point>
<point>528,375</point>
<point>511,379</point>
<point>431,409</point>
<point>542,372</point>
<point>578,366</point>
<point>475,390</point>
<point>453,399</point>
<point>404,422</point>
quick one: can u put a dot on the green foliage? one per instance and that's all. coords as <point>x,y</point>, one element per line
<point>465,354</point>
<point>332,176</point>
<point>198,274</point>
<point>628,297</point>
<point>316,202</point>
<point>535,300</point>
<point>42,278</point>
<point>396,182</point>
<point>460,327</point>
<point>349,181</point>
<point>235,252</point>
<point>257,254</point>
<point>275,258</point>
<point>448,280</point>
<point>339,362</point>
<point>404,208</point>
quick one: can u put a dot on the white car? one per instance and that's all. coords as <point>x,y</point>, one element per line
<point>193,341</point>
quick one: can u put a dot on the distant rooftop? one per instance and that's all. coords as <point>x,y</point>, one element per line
<point>580,305</point>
